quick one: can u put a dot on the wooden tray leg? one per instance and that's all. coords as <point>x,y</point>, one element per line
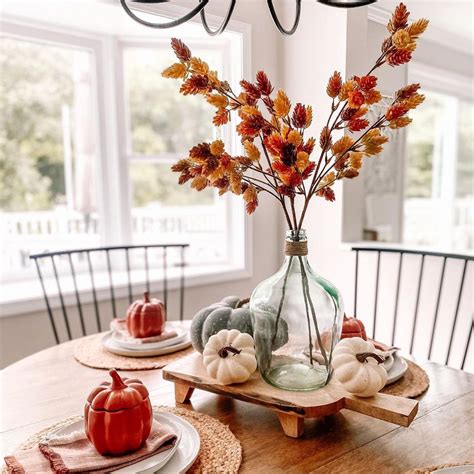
<point>292,425</point>
<point>182,392</point>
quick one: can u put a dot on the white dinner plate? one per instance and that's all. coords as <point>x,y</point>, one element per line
<point>188,448</point>
<point>175,460</point>
<point>469,468</point>
<point>112,346</point>
<point>180,337</point>
<point>398,369</point>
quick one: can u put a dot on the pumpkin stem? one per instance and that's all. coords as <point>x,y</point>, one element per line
<point>117,382</point>
<point>146,297</point>
<point>224,351</point>
<point>242,302</point>
<point>363,356</point>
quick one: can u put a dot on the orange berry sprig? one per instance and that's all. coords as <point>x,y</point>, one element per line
<point>279,158</point>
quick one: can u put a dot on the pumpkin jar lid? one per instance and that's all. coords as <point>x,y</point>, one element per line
<point>120,394</point>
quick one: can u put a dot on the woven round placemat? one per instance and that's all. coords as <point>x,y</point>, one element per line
<point>412,384</point>
<point>427,470</point>
<point>89,351</point>
<point>220,450</point>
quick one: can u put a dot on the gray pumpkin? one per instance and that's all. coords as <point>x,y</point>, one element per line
<point>230,313</point>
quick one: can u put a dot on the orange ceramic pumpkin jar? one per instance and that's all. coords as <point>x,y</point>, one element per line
<point>118,415</point>
<point>146,318</point>
<point>353,327</point>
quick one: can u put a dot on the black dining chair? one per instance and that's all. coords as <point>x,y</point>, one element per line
<point>419,269</point>
<point>91,275</point>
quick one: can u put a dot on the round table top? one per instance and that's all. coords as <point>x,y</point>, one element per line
<point>51,385</point>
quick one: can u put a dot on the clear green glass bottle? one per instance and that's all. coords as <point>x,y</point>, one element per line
<point>297,321</point>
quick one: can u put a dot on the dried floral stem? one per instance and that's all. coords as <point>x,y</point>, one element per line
<point>255,182</point>
<point>305,299</point>
<point>293,211</point>
<point>376,124</point>
<point>286,163</point>
<point>282,299</point>
<point>304,278</point>
<point>282,198</point>
<point>318,176</point>
<point>261,171</point>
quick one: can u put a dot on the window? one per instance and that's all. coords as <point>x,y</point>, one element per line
<point>90,129</point>
<point>157,137</point>
<point>438,206</point>
<point>48,154</point>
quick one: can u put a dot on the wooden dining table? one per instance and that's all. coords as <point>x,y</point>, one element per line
<point>51,385</point>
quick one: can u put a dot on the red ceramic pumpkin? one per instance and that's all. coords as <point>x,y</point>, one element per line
<point>146,318</point>
<point>353,327</point>
<point>118,415</point>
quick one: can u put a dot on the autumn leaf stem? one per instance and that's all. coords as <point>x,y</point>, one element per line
<point>376,124</point>
<point>293,211</point>
<point>263,172</point>
<point>282,198</point>
<point>255,181</point>
<point>260,181</point>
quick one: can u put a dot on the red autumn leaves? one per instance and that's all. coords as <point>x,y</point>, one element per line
<point>278,158</point>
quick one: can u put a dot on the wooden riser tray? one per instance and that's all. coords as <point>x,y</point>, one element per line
<point>189,373</point>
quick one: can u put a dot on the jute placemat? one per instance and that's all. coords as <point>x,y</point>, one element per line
<point>220,450</point>
<point>427,470</point>
<point>411,385</point>
<point>89,352</point>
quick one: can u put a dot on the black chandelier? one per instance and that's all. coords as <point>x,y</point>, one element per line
<point>200,8</point>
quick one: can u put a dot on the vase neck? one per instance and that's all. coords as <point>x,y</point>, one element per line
<point>296,243</point>
<point>296,235</point>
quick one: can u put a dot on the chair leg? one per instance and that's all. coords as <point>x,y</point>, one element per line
<point>293,426</point>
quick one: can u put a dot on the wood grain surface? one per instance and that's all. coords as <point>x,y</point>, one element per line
<point>51,385</point>
<point>189,372</point>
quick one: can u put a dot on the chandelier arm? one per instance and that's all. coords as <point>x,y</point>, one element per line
<point>353,4</point>
<point>277,21</point>
<point>224,22</point>
<point>170,24</point>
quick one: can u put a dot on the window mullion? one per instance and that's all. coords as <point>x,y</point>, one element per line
<point>116,197</point>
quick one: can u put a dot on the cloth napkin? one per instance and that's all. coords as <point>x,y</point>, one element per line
<point>75,453</point>
<point>119,326</point>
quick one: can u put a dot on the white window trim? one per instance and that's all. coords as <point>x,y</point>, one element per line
<point>113,180</point>
<point>458,88</point>
<point>441,80</point>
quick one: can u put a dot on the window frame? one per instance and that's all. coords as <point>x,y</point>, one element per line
<point>114,196</point>
<point>127,155</point>
<point>455,88</point>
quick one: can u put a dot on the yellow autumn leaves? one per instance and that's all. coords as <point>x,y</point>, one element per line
<point>217,147</point>
<point>175,71</point>
<point>282,104</point>
<point>251,151</point>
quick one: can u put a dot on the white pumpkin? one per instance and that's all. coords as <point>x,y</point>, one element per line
<point>229,356</point>
<point>358,367</point>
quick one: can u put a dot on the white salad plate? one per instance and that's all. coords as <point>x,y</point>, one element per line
<point>109,343</point>
<point>398,369</point>
<point>175,460</point>
<point>172,341</point>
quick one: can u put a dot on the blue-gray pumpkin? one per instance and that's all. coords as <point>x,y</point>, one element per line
<point>230,313</point>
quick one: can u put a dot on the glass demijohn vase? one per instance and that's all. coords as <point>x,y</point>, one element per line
<point>297,321</point>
